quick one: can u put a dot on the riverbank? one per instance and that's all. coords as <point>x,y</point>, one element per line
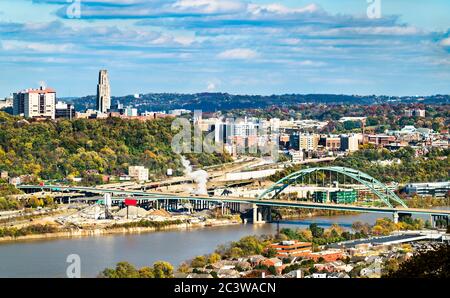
<point>109,230</point>
<point>305,214</point>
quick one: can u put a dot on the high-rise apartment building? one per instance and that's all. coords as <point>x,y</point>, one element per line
<point>32,103</point>
<point>349,143</point>
<point>308,142</point>
<point>103,92</point>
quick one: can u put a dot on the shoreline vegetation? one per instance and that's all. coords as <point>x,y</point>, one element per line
<point>42,232</point>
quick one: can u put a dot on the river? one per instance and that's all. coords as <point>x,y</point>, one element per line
<point>47,258</point>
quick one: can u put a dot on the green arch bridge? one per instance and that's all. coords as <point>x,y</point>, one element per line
<point>376,187</point>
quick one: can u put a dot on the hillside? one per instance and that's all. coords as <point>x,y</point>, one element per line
<point>211,102</point>
<point>54,150</point>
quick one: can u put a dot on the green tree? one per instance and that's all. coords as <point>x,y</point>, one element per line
<point>146,272</point>
<point>122,270</point>
<point>199,262</point>
<point>316,231</point>
<point>214,258</point>
<point>434,263</point>
<point>35,202</point>
<point>272,270</point>
<point>236,252</point>
<point>270,252</point>
<point>184,268</point>
<point>162,269</point>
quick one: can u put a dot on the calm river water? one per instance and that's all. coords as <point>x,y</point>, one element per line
<point>47,258</point>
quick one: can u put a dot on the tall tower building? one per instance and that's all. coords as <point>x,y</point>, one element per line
<point>103,92</point>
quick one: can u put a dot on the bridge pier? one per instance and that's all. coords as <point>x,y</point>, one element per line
<point>261,214</point>
<point>395,217</point>
<point>256,214</point>
<point>439,221</point>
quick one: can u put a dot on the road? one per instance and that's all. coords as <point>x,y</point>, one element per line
<point>274,203</point>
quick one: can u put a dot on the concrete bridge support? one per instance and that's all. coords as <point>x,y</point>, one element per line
<point>257,217</point>
<point>399,216</point>
<point>395,217</point>
<point>439,221</point>
<point>261,214</point>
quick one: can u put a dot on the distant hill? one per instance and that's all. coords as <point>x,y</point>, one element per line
<point>210,102</point>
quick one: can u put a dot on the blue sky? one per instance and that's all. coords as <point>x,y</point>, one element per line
<point>236,46</point>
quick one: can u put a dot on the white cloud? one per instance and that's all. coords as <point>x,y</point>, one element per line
<point>209,6</point>
<point>445,42</point>
<point>238,54</point>
<point>309,63</point>
<point>371,30</point>
<point>184,40</point>
<point>211,87</point>
<point>14,45</point>
<point>291,41</point>
<point>275,8</point>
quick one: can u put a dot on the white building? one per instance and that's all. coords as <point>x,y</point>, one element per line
<point>355,119</point>
<point>245,128</point>
<point>350,143</point>
<point>415,113</point>
<point>35,103</point>
<point>64,110</point>
<point>296,156</point>
<point>138,173</point>
<point>131,112</point>
<point>6,103</point>
<point>179,112</point>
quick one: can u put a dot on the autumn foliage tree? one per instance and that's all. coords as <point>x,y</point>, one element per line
<point>434,263</point>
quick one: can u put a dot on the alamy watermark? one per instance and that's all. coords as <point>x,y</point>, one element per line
<point>374,9</point>
<point>73,10</point>
<point>234,136</point>
<point>74,268</point>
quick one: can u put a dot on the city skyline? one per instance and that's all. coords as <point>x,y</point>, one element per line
<point>239,47</point>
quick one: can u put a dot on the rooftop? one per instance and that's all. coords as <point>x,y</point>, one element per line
<point>41,90</point>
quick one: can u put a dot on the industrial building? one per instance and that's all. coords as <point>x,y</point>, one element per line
<point>338,197</point>
<point>437,189</point>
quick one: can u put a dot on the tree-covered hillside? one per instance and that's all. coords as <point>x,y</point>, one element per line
<point>54,150</point>
<point>210,102</point>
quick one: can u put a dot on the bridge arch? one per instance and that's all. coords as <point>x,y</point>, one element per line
<point>375,186</point>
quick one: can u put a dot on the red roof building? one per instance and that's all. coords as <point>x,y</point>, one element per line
<point>292,248</point>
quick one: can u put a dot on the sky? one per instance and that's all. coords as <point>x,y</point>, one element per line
<point>383,47</point>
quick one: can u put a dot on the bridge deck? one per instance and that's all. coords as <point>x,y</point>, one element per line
<point>274,203</point>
